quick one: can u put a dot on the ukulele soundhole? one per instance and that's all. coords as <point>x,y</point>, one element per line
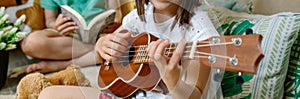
<point>128,56</point>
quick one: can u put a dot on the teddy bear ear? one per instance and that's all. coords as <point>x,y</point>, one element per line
<point>74,66</point>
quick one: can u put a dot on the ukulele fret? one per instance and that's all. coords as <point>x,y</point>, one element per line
<point>142,55</point>
<point>169,51</point>
<point>144,59</point>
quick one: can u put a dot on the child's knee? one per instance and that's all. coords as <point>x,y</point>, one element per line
<point>34,41</point>
<point>48,92</point>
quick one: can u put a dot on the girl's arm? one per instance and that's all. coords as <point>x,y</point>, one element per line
<point>195,81</point>
<point>183,90</point>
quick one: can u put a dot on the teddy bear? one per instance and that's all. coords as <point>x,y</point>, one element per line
<point>32,84</point>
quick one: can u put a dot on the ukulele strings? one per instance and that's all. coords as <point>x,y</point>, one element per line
<point>186,52</point>
<point>198,55</point>
<point>173,48</point>
<point>144,56</point>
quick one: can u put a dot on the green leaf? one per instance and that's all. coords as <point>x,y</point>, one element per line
<point>222,28</point>
<point>242,27</point>
<point>232,91</point>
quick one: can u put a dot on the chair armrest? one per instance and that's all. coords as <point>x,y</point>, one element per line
<point>12,10</point>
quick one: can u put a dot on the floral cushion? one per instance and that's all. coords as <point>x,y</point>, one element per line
<point>292,82</point>
<point>279,33</point>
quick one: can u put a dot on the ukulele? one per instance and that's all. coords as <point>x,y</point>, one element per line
<point>135,70</point>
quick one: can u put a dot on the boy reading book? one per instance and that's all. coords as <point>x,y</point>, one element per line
<point>53,45</point>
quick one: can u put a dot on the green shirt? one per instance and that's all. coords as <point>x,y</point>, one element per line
<point>87,8</point>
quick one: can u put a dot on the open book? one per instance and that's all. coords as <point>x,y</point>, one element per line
<point>88,33</point>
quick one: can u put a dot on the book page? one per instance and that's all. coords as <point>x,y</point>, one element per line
<point>99,23</point>
<point>68,11</point>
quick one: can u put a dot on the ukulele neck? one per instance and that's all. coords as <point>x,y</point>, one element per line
<point>142,55</point>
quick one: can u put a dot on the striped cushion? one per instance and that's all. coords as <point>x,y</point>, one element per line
<point>279,33</point>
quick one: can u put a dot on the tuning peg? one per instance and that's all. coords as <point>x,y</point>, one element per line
<point>249,31</point>
<point>239,79</point>
<point>234,61</point>
<point>218,76</point>
<point>212,59</point>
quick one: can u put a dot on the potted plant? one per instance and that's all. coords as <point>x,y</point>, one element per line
<point>10,35</point>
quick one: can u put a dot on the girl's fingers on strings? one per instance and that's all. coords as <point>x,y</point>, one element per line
<point>152,48</point>
<point>176,57</point>
<point>161,48</point>
<point>148,47</point>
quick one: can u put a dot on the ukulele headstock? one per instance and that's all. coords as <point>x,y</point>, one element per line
<point>238,53</point>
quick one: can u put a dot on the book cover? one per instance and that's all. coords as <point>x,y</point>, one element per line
<point>88,33</point>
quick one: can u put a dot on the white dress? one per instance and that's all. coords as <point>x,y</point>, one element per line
<point>201,28</point>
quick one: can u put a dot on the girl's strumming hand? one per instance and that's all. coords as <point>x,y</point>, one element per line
<point>112,46</point>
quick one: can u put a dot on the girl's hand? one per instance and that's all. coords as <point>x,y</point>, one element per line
<point>169,68</point>
<point>65,25</point>
<point>112,46</point>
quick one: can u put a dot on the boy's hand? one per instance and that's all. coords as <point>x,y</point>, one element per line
<point>65,25</point>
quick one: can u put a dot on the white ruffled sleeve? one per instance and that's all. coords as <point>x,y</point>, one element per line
<point>202,27</point>
<point>132,22</point>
